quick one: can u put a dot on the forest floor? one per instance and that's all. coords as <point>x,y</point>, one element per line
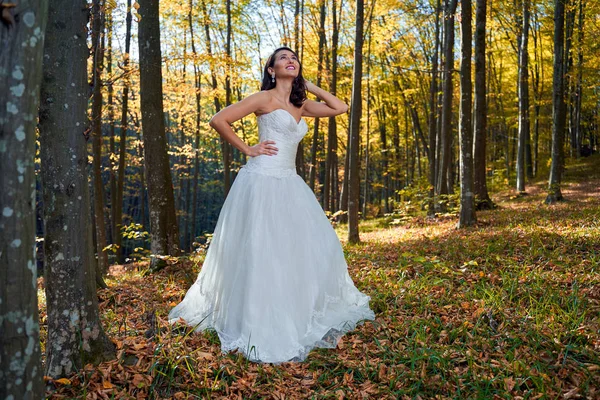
<point>509,308</point>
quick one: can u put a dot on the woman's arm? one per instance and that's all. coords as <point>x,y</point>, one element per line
<point>221,122</point>
<point>331,107</point>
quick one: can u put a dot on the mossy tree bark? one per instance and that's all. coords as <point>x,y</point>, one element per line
<point>22,29</point>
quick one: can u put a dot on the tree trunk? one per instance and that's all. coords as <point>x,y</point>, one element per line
<point>445,145</point>
<point>524,137</point>
<point>213,72</point>
<point>558,105</point>
<point>228,147</point>
<point>20,77</point>
<point>570,12</point>
<point>433,115</point>
<point>345,183</point>
<point>482,198</point>
<point>297,26</point>
<point>118,215</point>
<point>184,174</point>
<point>300,167</point>
<point>197,81</point>
<point>355,115</point>
<point>367,184</point>
<point>143,198</point>
<point>407,180</point>
<point>163,223</point>
<point>111,121</point>
<point>396,142</point>
<point>75,335</point>
<point>382,117</point>
<point>571,74</point>
<point>578,84</point>
<point>409,103</point>
<point>329,193</point>
<point>97,67</point>
<point>537,77</point>
<point>314,167</point>
<point>467,204</point>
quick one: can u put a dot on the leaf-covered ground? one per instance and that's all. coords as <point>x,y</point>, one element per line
<point>507,309</point>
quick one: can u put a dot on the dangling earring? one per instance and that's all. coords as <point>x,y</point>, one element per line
<point>273,78</point>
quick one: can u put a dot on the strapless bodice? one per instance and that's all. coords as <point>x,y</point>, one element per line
<point>281,127</point>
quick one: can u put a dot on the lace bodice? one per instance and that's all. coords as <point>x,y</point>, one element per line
<point>281,127</point>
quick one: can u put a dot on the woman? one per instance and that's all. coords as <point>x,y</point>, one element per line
<point>274,283</point>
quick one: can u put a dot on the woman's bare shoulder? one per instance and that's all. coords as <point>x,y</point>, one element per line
<point>263,101</point>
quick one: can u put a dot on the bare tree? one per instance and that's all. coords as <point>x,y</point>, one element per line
<point>20,76</point>
<point>163,222</point>
<point>75,335</point>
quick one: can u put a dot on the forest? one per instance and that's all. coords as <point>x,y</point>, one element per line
<point>463,183</point>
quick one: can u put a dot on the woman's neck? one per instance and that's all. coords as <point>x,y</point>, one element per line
<point>283,90</point>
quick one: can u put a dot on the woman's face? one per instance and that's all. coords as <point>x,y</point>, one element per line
<point>285,65</point>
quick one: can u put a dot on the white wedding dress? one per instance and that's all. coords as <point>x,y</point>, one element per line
<point>274,284</point>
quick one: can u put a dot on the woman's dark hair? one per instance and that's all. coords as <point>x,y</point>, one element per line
<point>298,95</point>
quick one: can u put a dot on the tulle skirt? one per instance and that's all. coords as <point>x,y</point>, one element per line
<point>274,284</point>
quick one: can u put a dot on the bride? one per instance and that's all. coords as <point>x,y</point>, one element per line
<point>274,284</point>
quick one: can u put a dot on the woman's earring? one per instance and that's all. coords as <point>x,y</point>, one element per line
<point>272,77</point>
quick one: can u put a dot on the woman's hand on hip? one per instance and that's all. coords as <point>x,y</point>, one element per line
<point>263,148</point>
